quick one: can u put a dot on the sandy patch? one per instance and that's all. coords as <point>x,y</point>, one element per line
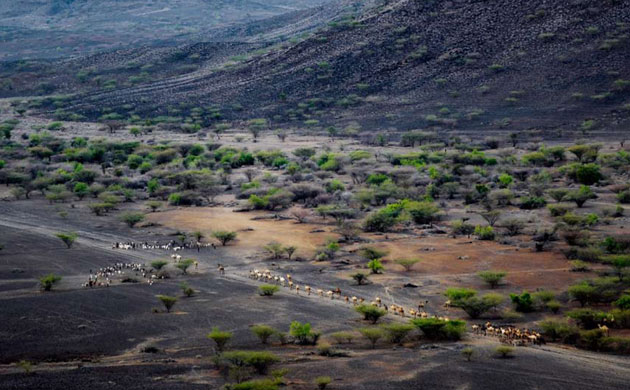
<point>208,219</point>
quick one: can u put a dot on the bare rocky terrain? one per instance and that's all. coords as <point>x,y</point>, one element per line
<point>552,67</point>
<point>80,27</point>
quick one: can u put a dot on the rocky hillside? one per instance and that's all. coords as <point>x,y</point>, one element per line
<point>88,26</point>
<point>505,65</point>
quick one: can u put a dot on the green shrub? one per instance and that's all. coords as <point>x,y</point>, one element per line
<point>376,179</point>
<point>257,384</point>
<point>588,318</point>
<point>422,212</point>
<point>132,219</point>
<point>380,222</point>
<point>583,293</point>
<point>263,332</point>
<point>372,334</point>
<point>167,301</point>
<point>396,333</point>
<point>532,202</point>
<point>616,245</point>
<point>559,330</point>
<point>484,232</point>
<point>343,337</point>
<point>594,339</point>
<point>619,263</point>
<point>47,282</point>
<point>370,313</point>
<point>581,196</point>
<point>268,290</point>
<point>493,278</point>
<point>437,329</point>
<point>186,289</point>
<point>456,294</point>
<point>334,186</point>
<point>372,253</point>
<point>524,302</point>
<point>554,306</point>
<point>158,264</point>
<point>375,266</point>
<point>67,238</point>
<point>322,382</point>
<point>303,333</point>
<point>183,265</point>
<point>407,263</point>
<point>623,302</point>
<point>174,199</point>
<point>220,338</point>
<point>463,228</point>
<point>224,237</point>
<point>579,266</point>
<point>360,278</point>
<point>80,190</point>
<point>477,306</point>
<point>504,351</point>
<point>258,360</point>
<point>588,174</point>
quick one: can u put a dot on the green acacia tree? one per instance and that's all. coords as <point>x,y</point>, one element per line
<point>375,266</point>
<point>224,237</point>
<point>372,334</point>
<point>159,264</point>
<point>263,332</point>
<point>492,278</point>
<point>370,313</point>
<point>407,264</point>
<point>47,282</point>
<point>68,238</point>
<point>167,301</point>
<point>183,265</point>
<point>220,338</point>
<point>132,219</point>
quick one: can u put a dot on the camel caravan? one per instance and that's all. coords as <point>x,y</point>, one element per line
<point>287,281</point>
<point>509,334</point>
<point>170,246</point>
<point>505,334</point>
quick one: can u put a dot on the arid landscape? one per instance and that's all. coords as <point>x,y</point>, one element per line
<point>318,195</point>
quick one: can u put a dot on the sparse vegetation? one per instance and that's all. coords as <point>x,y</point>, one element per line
<point>268,290</point>
<point>220,338</point>
<point>67,238</point>
<point>47,282</point>
<point>167,301</point>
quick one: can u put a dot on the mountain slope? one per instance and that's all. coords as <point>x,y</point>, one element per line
<point>88,26</point>
<point>470,65</point>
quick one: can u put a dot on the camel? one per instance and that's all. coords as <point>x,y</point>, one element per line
<point>604,328</point>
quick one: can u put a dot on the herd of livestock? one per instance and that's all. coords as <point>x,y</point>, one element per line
<point>505,334</point>
<point>103,276</point>
<point>169,246</point>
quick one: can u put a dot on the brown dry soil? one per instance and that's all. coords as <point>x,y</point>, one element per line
<point>92,338</point>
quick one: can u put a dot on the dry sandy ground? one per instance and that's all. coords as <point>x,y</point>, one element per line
<point>252,232</point>
<point>439,254</point>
